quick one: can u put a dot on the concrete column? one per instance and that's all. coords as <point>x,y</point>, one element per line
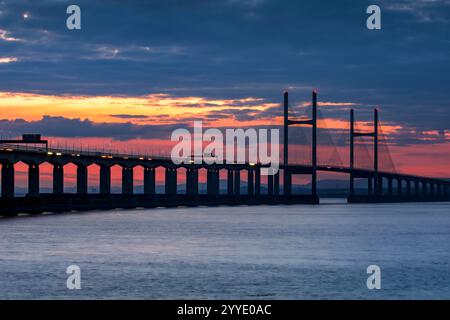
<point>33,179</point>
<point>408,187</point>
<point>379,185</point>
<point>446,190</point>
<point>190,181</point>
<point>195,181</point>
<point>352,152</point>
<point>171,181</point>
<point>174,180</point>
<point>270,179</point>
<point>369,186</point>
<point>237,182</point>
<point>212,182</point>
<point>250,183</point>
<point>287,183</point>
<point>208,181</point>
<point>230,183</point>
<point>390,186</point>
<point>7,179</point>
<point>375,152</point>
<point>432,192</point>
<point>58,179</point>
<point>167,181</point>
<point>416,188</point>
<point>258,181</point>
<point>314,147</point>
<point>439,190</point>
<point>399,186</point>
<point>217,184</point>
<point>285,140</point>
<point>424,188</point>
<point>82,179</point>
<point>105,179</point>
<point>276,183</point>
<point>127,180</point>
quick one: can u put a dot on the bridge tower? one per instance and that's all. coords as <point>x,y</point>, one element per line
<point>313,123</point>
<point>374,134</point>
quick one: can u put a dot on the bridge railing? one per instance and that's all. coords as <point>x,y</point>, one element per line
<point>75,152</point>
<point>95,152</point>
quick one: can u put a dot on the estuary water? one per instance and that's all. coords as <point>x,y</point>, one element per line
<point>244,252</point>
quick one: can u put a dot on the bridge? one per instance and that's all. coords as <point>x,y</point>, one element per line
<point>381,186</point>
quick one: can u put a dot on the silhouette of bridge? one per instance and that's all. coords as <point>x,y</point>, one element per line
<point>382,186</point>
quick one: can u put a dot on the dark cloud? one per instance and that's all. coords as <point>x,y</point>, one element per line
<point>129,116</point>
<point>64,127</point>
<point>235,49</point>
<point>70,128</point>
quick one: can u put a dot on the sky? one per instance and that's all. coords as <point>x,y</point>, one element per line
<point>137,70</point>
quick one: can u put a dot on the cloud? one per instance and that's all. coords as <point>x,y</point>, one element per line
<point>431,11</point>
<point>213,50</point>
<point>5,36</point>
<point>70,128</point>
<point>129,116</point>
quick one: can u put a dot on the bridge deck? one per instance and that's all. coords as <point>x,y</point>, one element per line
<point>26,153</point>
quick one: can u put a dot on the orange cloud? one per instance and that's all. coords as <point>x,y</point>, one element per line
<point>100,108</point>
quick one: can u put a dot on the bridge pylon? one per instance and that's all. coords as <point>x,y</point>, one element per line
<point>353,134</point>
<point>311,122</point>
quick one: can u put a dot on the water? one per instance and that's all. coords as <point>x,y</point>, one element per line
<point>259,252</point>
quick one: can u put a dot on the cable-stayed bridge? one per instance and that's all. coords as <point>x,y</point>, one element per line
<point>243,182</point>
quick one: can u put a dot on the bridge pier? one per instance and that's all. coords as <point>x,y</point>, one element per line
<point>191,181</point>
<point>390,192</point>
<point>209,182</point>
<point>58,178</point>
<point>408,188</point>
<point>352,184</point>
<point>230,182</point>
<point>82,179</point>
<point>287,182</point>
<point>424,188</point>
<point>127,180</point>
<point>105,179</point>
<point>257,181</point>
<point>399,186</point>
<point>432,189</point>
<point>416,189</point>
<point>369,186</point>
<point>195,175</point>
<point>7,179</point>
<point>379,185</point>
<point>171,181</point>
<point>276,183</point>
<point>270,186</point>
<point>33,178</point>
<point>237,182</point>
<point>216,179</point>
<point>250,182</point>
<point>212,182</point>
